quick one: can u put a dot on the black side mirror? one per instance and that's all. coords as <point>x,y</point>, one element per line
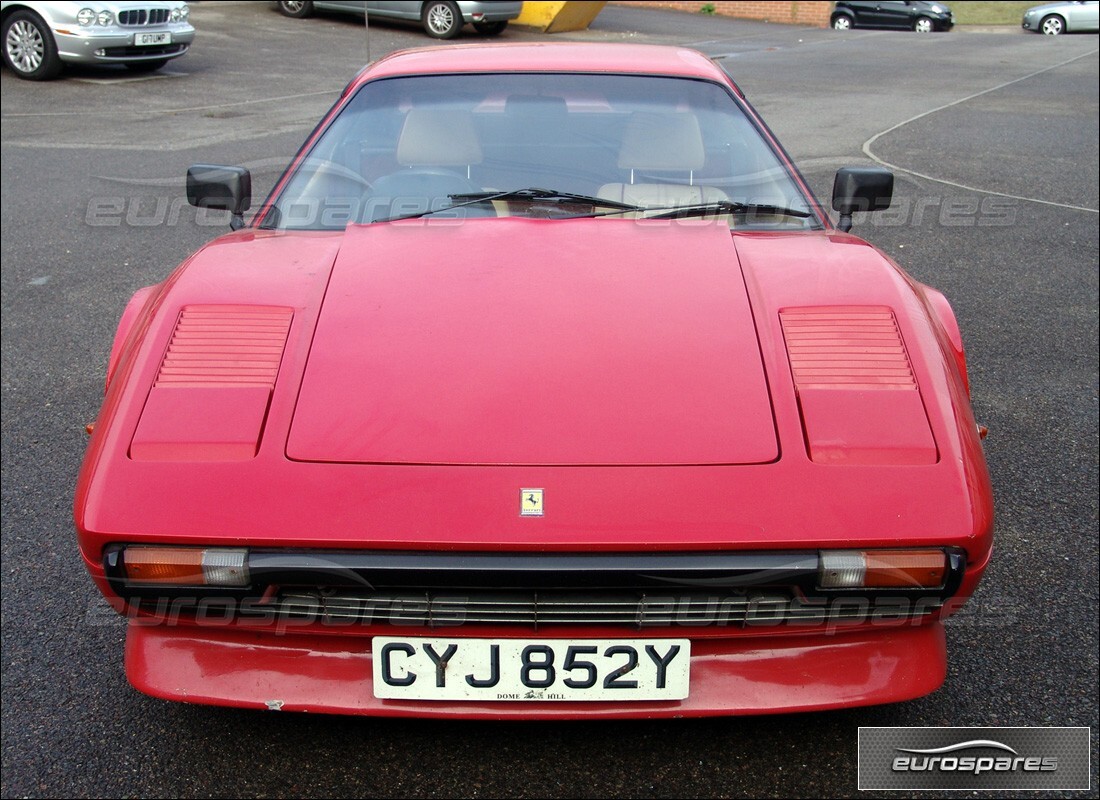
<point>227,188</point>
<point>861,189</point>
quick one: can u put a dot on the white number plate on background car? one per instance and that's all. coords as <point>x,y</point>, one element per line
<point>144,39</point>
<point>530,669</point>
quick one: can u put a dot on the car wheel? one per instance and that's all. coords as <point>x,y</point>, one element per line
<point>146,66</point>
<point>296,10</point>
<point>490,28</point>
<point>1052,25</point>
<point>924,25</point>
<point>29,48</point>
<point>442,19</point>
<point>842,22</point>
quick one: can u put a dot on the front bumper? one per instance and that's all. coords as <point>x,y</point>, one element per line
<point>316,654</point>
<point>116,46</point>
<point>333,674</point>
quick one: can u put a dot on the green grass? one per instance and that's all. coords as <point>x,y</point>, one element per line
<point>989,13</point>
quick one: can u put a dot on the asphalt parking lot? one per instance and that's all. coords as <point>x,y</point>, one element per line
<point>994,139</point>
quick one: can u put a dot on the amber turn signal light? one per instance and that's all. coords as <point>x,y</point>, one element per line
<point>882,569</point>
<point>185,566</point>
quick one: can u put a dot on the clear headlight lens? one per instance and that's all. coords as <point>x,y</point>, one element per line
<point>85,17</point>
<point>104,18</point>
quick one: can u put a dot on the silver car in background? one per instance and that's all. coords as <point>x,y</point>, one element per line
<point>441,19</point>
<point>40,37</point>
<point>1055,19</point>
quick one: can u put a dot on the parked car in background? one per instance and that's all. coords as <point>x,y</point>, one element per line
<point>142,36</point>
<point>442,19</point>
<point>917,16</point>
<point>1055,19</point>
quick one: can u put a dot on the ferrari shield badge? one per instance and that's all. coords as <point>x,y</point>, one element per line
<point>530,502</point>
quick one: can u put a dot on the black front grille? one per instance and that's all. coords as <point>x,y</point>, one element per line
<point>143,16</point>
<point>634,609</point>
<point>700,590</point>
<point>152,50</point>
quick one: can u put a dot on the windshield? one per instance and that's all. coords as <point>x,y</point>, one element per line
<point>550,145</point>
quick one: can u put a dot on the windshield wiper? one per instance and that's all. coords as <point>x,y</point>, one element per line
<point>546,195</point>
<point>534,194</point>
<point>557,198</point>
<point>728,207</point>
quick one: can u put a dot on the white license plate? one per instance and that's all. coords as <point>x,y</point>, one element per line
<point>530,669</point>
<point>146,39</point>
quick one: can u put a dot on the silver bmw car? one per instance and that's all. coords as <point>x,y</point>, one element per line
<point>40,37</point>
<point>1054,19</point>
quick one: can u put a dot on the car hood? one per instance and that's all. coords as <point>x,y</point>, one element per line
<point>1046,8</point>
<point>502,342</point>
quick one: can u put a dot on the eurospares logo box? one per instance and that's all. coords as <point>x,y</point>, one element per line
<point>969,759</point>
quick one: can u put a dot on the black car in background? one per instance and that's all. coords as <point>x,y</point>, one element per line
<point>915,16</point>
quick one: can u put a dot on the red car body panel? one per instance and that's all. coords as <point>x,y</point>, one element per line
<point>424,372</point>
<point>581,357</point>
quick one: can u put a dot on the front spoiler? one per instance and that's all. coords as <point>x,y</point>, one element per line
<point>742,675</point>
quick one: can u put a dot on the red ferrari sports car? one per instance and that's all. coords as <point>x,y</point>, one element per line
<point>541,386</point>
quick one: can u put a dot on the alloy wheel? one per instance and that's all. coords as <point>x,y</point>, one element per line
<point>25,45</point>
<point>440,18</point>
<point>1052,26</point>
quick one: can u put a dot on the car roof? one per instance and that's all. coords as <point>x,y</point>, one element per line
<point>546,57</point>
